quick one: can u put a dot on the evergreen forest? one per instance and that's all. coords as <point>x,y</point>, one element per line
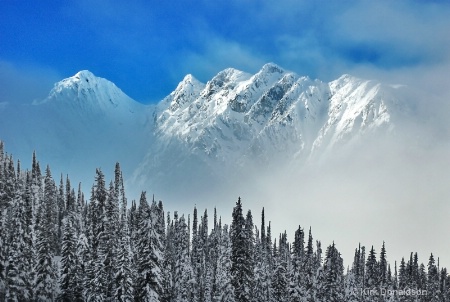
<point>58,243</point>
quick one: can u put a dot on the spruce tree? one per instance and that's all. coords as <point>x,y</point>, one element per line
<point>200,253</point>
<point>241,261</point>
<point>183,275</point>
<point>432,281</point>
<point>310,270</point>
<point>279,278</point>
<point>9,184</point>
<point>209,282</point>
<point>358,269</point>
<point>45,270</point>
<point>148,266</point>
<point>95,287</point>
<point>382,268</point>
<point>402,276</point>
<point>124,272</point>
<point>250,254</point>
<point>262,285</point>
<point>258,285</point>
<point>213,251</point>
<point>296,285</point>
<point>443,286</point>
<point>107,247</point>
<point>224,288</point>
<point>422,277</point>
<point>18,284</point>
<point>60,201</point>
<point>352,292</point>
<point>372,271</point>
<point>333,276</point>
<point>123,278</point>
<point>168,261</point>
<point>70,274</point>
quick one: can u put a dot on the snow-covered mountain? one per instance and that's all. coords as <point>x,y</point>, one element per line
<point>238,122</point>
<point>237,114</point>
<point>200,134</point>
<point>85,122</point>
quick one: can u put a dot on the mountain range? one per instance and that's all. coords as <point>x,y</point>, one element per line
<point>201,135</point>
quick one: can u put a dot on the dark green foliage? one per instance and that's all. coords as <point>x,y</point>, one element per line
<point>241,254</point>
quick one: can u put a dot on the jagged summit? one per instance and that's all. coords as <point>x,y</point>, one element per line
<point>272,113</point>
<point>187,90</point>
<point>190,83</point>
<point>271,68</point>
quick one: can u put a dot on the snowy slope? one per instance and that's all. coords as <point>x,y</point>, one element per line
<point>237,114</point>
<point>274,111</point>
<point>237,122</point>
<point>357,108</point>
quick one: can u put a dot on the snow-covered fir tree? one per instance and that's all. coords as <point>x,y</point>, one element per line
<point>433,291</point>
<point>310,270</point>
<point>70,274</point>
<point>149,257</point>
<point>262,285</point>
<point>224,288</point>
<point>296,286</point>
<point>124,269</point>
<point>18,266</point>
<point>241,255</point>
<point>183,277</point>
<point>46,275</point>
<point>279,275</point>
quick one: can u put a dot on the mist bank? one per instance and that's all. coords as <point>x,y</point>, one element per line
<point>391,188</point>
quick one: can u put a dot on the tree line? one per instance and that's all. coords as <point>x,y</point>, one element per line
<point>58,245</point>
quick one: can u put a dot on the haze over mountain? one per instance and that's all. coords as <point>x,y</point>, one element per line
<point>200,132</point>
<point>275,137</point>
<point>237,122</point>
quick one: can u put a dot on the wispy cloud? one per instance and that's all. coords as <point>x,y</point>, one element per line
<point>325,40</point>
<point>218,54</point>
<point>147,47</point>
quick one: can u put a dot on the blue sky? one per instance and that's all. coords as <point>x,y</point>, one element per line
<point>146,47</point>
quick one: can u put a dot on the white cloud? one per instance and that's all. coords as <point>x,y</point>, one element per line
<point>217,54</point>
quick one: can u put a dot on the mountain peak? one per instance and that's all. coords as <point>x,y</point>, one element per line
<point>271,68</point>
<point>190,80</point>
<point>84,74</point>
<point>85,92</point>
<point>187,91</point>
<point>81,79</point>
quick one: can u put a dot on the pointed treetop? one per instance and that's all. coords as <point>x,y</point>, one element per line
<point>263,226</point>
